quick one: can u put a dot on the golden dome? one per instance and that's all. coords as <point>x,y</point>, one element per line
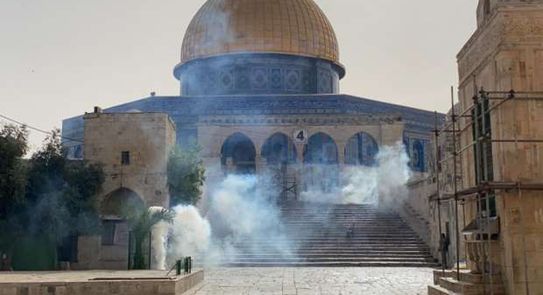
<point>295,27</point>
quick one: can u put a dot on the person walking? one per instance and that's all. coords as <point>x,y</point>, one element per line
<point>444,243</point>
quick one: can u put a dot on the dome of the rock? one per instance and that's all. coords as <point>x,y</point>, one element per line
<point>295,27</point>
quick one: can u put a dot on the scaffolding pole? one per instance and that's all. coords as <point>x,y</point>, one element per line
<point>483,186</point>
<point>455,187</point>
<point>438,194</point>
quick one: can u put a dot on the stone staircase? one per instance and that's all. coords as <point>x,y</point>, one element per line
<point>337,235</point>
<point>446,283</point>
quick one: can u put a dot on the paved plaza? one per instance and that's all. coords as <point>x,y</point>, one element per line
<point>378,281</point>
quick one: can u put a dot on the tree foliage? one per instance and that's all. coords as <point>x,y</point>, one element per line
<point>13,146</point>
<point>186,176</point>
<point>141,223</point>
<point>46,197</point>
<point>61,193</point>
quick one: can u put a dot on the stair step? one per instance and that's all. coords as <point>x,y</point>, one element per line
<point>331,264</point>
<point>317,236</point>
<point>438,290</point>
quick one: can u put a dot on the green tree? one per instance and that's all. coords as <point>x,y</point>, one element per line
<point>141,222</point>
<point>13,146</point>
<point>62,193</point>
<point>186,176</point>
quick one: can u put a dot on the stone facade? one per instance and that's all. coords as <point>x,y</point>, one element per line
<point>259,130</point>
<point>193,117</point>
<point>133,149</point>
<point>421,207</point>
<point>504,54</point>
<point>148,137</point>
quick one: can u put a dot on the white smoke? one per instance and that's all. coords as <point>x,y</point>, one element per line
<point>366,185</point>
<point>243,211</point>
<point>159,234</point>
<point>190,234</point>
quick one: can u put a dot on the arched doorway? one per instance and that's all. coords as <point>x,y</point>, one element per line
<point>279,153</point>
<point>238,155</point>
<point>279,150</point>
<point>120,203</point>
<point>321,171</point>
<point>361,149</point>
<point>117,244</point>
<point>321,150</point>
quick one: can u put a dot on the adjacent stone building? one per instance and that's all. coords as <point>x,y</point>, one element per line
<point>499,153</point>
<point>133,149</point>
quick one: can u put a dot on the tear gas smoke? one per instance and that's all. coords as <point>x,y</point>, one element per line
<point>190,234</point>
<point>159,234</point>
<point>384,182</point>
<point>243,214</point>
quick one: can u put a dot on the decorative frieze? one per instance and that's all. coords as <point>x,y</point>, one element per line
<point>300,120</point>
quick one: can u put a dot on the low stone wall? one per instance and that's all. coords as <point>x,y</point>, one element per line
<point>98,283</point>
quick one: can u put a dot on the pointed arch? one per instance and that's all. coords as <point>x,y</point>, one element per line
<point>361,149</point>
<point>121,202</point>
<point>321,149</point>
<point>238,154</point>
<point>279,149</point>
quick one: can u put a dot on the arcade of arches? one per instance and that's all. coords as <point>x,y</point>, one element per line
<point>239,153</point>
<point>312,164</point>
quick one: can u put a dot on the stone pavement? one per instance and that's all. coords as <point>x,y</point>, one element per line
<point>367,281</point>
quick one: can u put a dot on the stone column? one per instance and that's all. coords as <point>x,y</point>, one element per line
<point>260,163</point>
<point>341,154</point>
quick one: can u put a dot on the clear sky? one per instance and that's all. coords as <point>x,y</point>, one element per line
<point>59,58</point>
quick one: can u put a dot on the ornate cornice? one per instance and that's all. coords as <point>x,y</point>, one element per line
<point>306,120</point>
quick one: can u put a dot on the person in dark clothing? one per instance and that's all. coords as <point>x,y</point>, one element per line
<point>5,263</point>
<point>444,243</point>
<point>350,232</point>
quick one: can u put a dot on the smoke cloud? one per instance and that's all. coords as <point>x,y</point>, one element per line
<point>244,217</point>
<point>190,234</point>
<point>159,234</point>
<point>383,183</point>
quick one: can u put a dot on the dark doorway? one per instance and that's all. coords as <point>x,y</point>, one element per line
<point>361,150</point>
<point>320,149</point>
<point>279,149</point>
<point>238,155</point>
<point>321,171</point>
<point>280,155</point>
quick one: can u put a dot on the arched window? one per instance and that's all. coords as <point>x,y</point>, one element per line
<point>361,149</point>
<point>321,172</point>
<point>417,156</point>
<point>120,202</point>
<point>320,149</point>
<point>279,149</point>
<point>238,155</point>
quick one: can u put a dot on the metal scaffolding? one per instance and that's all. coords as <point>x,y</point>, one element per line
<point>477,118</point>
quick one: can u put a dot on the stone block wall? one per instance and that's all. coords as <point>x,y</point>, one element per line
<point>385,130</point>
<point>133,149</point>
<point>506,52</point>
<point>148,137</point>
